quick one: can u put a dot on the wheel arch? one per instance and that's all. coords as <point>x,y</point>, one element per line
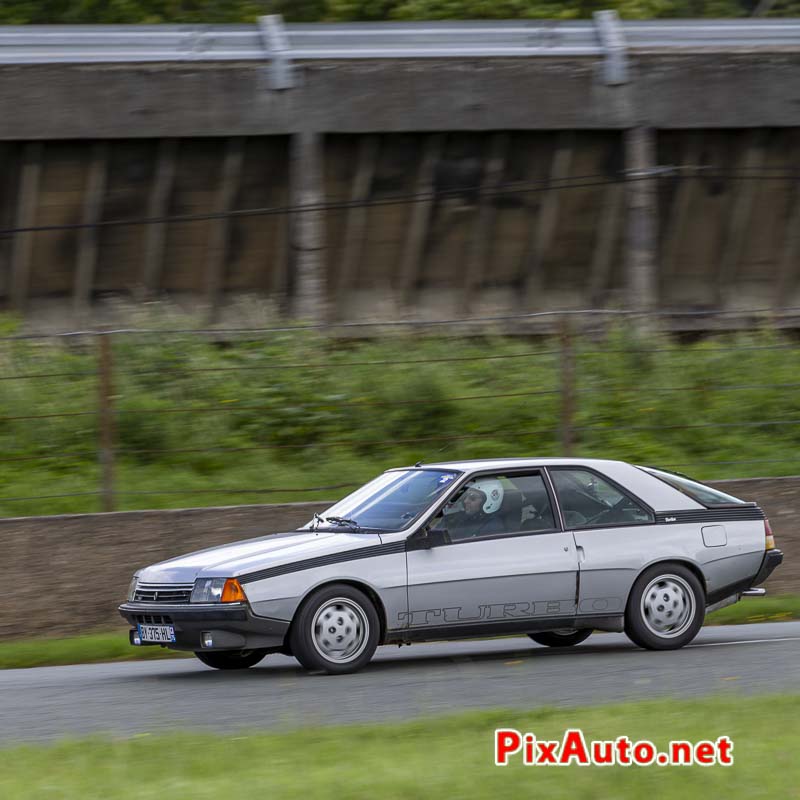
<point>692,566</point>
<point>368,590</point>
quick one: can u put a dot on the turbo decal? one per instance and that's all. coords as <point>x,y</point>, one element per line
<point>492,612</point>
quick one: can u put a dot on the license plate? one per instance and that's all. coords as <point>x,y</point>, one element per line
<point>156,633</point>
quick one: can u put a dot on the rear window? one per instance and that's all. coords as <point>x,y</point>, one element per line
<point>697,491</point>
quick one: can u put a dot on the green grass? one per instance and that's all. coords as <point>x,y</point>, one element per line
<point>775,608</point>
<point>298,410</point>
<point>448,757</point>
<point>89,649</point>
<point>101,647</point>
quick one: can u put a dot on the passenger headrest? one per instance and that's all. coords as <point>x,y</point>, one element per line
<point>511,509</point>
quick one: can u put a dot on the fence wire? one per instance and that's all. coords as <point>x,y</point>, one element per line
<point>291,414</point>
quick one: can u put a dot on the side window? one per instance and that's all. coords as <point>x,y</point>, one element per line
<point>537,512</point>
<point>588,501</point>
<point>493,504</point>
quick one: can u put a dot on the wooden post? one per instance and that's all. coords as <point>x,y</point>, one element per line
<point>106,420</point>
<point>480,252</point>
<point>567,388</point>
<point>307,227</point>
<point>641,247</point>
<point>356,225</point>
<point>542,233</point>
<point>738,220</point>
<point>681,207</point>
<point>7,170</point>
<point>607,233</point>
<point>790,257</point>
<point>88,239</point>
<point>276,278</point>
<point>158,208</point>
<point>27,203</point>
<point>421,213</point>
<point>220,228</point>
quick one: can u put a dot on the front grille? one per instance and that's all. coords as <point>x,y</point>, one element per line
<point>153,619</point>
<point>171,593</point>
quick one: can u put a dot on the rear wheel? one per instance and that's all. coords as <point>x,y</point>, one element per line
<point>666,607</point>
<point>231,659</point>
<point>563,638</point>
<point>336,630</point>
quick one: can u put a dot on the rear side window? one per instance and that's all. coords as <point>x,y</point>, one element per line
<point>588,501</point>
<point>697,491</point>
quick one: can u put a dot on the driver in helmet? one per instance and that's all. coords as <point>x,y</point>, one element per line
<point>482,499</point>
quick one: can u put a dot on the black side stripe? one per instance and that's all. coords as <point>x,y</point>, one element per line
<point>710,515</point>
<point>325,561</point>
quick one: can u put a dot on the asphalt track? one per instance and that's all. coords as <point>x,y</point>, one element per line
<point>126,699</point>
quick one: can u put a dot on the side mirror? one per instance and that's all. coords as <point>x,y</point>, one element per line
<point>426,538</point>
<point>421,540</point>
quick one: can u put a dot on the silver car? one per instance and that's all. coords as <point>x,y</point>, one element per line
<point>552,548</point>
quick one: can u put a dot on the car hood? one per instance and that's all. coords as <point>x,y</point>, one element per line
<point>239,558</point>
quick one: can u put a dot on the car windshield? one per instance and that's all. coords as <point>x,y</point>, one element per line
<point>703,494</point>
<point>390,502</point>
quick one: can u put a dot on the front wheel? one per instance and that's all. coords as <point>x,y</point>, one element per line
<point>565,638</point>
<point>336,630</point>
<point>231,659</point>
<point>666,608</point>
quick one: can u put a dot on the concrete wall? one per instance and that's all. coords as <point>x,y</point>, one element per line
<point>69,573</point>
<point>715,241</point>
<point>66,575</point>
<point>215,99</point>
<point>91,143</point>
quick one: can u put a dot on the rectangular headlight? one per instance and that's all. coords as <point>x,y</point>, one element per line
<point>218,590</point>
<point>208,590</point>
<point>132,589</point>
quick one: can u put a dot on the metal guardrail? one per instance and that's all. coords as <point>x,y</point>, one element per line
<point>170,43</point>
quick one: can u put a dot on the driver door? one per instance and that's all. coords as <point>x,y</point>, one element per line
<point>498,582</point>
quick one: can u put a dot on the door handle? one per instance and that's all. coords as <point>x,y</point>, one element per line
<point>581,554</point>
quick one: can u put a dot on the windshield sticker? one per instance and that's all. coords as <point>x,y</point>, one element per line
<point>446,478</point>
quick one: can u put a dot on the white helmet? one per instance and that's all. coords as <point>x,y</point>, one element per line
<point>493,492</point>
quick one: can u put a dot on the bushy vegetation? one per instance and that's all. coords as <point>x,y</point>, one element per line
<point>20,12</point>
<point>297,410</point>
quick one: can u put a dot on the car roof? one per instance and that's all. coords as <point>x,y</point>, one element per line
<point>470,465</point>
<point>656,493</point>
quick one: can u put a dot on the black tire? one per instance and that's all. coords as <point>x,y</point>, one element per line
<point>557,639</point>
<point>231,659</point>
<point>671,613</point>
<point>347,642</point>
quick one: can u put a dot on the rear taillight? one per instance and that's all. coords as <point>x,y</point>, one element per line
<point>770,539</point>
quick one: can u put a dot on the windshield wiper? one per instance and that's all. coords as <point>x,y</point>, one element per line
<point>343,521</point>
<point>318,518</point>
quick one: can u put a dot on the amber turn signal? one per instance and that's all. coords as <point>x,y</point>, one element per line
<point>232,592</point>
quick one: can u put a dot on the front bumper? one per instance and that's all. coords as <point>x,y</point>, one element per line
<point>233,626</point>
<point>772,558</point>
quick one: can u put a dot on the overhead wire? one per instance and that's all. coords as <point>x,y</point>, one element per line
<point>515,187</point>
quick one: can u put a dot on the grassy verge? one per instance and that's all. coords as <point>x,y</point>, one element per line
<point>442,757</point>
<point>90,649</point>
<point>778,608</point>
<point>102,647</point>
